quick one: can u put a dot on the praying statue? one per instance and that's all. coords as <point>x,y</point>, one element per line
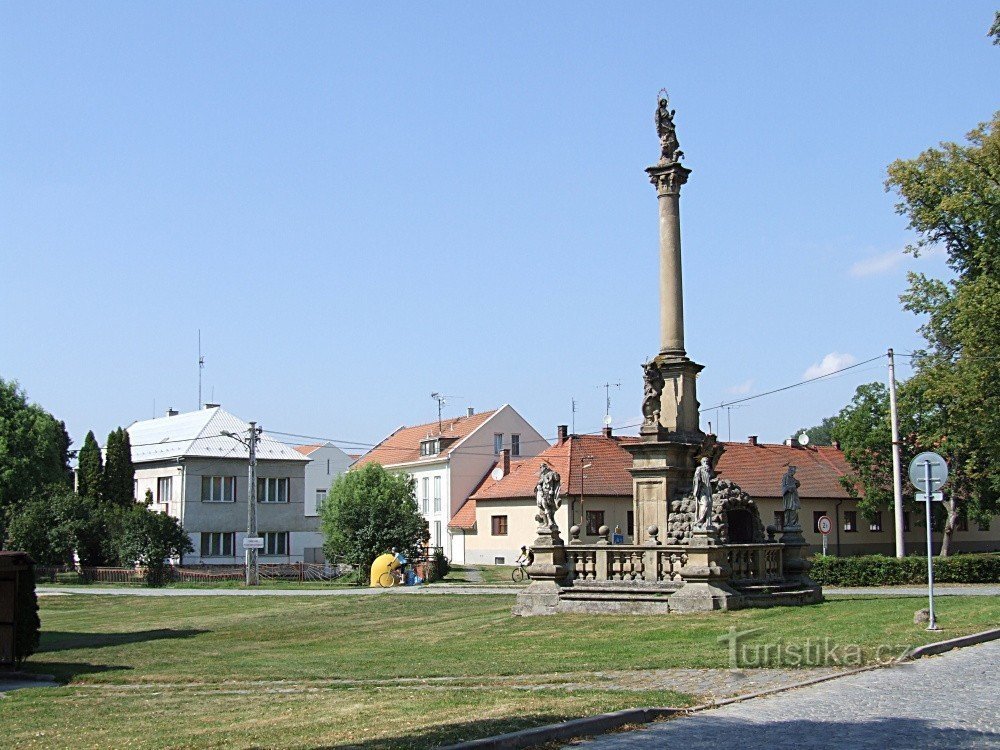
<point>790,498</point>
<point>547,497</point>
<point>702,490</point>
<point>670,151</point>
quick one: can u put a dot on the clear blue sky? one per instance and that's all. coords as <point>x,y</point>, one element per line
<point>359,204</point>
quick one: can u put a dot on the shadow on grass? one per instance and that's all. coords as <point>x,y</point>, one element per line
<point>710,729</point>
<point>56,640</point>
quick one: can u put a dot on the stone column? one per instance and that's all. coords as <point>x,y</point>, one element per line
<point>548,574</point>
<point>706,575</point>
<point>668,179</point>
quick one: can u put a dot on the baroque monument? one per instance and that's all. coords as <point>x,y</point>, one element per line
<point>699,565</point>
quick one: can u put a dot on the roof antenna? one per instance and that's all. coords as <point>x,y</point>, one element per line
<point>201,366</point>
<point>439,397</point>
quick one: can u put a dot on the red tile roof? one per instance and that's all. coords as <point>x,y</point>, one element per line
<point>403,445</point>
<point>305,450</point>
<point>758,469</point>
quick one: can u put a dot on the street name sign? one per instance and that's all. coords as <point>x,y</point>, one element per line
<point>253,542</point>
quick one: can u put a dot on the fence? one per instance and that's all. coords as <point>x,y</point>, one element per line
<point>204,574</point>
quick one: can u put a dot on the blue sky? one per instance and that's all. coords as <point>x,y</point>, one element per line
<point>359,204</point>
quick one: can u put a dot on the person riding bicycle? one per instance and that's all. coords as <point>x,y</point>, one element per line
<point>526,558</point>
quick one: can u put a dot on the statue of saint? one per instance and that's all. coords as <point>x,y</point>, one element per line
<point>702,490</point>
<point>652,388</point>
<point>790,498</point>
<point>547,497</point>
<point>669,147</point>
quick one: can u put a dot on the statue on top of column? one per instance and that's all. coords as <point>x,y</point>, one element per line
<point>653,383</point>
<point>790,498</point>
<point>670,152</point>
<point>702,490</point>
<point>547,497</point>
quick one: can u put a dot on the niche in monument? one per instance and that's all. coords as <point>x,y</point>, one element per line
<point>740,525</point>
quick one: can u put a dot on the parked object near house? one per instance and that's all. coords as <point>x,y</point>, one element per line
<point>448,462</point>
<point>198,475</point>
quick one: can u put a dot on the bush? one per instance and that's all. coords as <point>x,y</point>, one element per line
<point>879,570</point>
<point>442,566</point>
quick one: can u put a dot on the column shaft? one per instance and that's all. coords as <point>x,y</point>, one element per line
<point>671,285</point>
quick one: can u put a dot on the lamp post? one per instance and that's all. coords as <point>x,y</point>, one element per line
<point>250,544</point>
<point>583,466</point>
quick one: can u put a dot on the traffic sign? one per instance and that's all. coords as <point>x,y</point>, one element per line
<point>253,542</point>
<point>936,497</point>
<point>824,524</point>
<point>938,471</point>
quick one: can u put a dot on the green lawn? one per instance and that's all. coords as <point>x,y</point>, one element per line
<point>297,672</point>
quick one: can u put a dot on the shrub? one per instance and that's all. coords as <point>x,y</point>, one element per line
<point>879,570</point>
<point>442,566</point>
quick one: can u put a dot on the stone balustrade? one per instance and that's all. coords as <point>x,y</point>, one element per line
<point>755,563</point>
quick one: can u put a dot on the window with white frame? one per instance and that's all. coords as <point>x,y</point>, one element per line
<point>497,442</point>
<point>218,543</point>
<point>515,444</point>
<point>437,494</point>
<point>272,490</point>
<point>275,542</point>
<point>437,533</point>
<point>875,524</point>
<point>320,499</point>
<point>218,489</point>
<point>427,494</point>
<point>164,485</point>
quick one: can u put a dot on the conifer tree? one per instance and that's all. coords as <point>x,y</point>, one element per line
<point>90,473</point>
<point>119,473</point>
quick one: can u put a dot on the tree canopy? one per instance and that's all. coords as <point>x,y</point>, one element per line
<point>367,513</point>
<point>119,473</point>
<point>150,538</point>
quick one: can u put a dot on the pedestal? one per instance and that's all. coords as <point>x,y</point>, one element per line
<point>706,575</point>
<point>547,571</point>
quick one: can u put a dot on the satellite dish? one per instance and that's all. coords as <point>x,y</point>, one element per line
<point>803,440</point>
<point>497,474</point>
<point>607,421</point>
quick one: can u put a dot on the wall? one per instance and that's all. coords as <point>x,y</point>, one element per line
<point>325,465</point>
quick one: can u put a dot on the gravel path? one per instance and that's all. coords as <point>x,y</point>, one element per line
<point>945,702</point>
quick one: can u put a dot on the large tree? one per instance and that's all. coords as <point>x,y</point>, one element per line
<point>821,434</point>
<point>150,538</point>
<point>34,450</point>
<point>90,469</point>
<point>119,473</point>
<point>367,513</point>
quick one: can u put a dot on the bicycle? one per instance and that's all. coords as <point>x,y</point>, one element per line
<point>519,573</point>
<point>391,578</point>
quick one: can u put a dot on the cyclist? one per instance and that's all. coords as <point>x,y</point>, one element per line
<point>526,558</point>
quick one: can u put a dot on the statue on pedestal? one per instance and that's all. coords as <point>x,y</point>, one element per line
<point>790,498</point>
<point>670,152</point>
<point>547,498</point>
<point>652,388</point>
<point>702,490</point>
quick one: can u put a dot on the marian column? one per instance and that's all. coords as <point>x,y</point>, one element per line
<point>672,441</point>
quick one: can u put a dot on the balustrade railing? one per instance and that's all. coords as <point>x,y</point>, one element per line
<point>755,563</point>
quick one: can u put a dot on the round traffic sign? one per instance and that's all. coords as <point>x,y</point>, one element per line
<point>938,471</point>
<point>824,524</point>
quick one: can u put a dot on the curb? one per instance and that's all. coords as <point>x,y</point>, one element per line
<point>602,723</point>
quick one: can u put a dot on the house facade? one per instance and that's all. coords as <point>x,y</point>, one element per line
<point>197,474</point>
<point>448,460</point>
<point>499,516</point>
<point>326,463</point>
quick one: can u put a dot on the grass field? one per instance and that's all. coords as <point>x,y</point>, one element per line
<point>384,671</point>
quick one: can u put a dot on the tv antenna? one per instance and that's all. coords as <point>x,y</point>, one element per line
<point>442,400</point>
<point>573,417</point>
<point>201,366</point>
<point>607,400</point>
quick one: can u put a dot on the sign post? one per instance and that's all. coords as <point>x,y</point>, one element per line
<point>825,526</point>
<point>929,472</point>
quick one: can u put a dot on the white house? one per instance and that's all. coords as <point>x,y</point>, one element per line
<point>200,476</point>
<point>326,463</point>
<point>448,460</point>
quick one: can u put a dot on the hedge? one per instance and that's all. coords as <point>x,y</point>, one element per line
<point>879,570</point>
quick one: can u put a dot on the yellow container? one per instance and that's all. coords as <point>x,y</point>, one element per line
<point>383,564</point>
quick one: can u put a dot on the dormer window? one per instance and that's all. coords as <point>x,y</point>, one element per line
<point>430,447</point>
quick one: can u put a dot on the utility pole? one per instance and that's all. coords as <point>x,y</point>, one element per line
<point>897,479</point>
<point>252,542</point>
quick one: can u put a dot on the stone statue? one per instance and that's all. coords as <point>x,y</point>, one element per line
<point>670,152</point>
<point>652,388</point>
<point>702,491</point>
<point>547,497</point>
<point>790,498</point>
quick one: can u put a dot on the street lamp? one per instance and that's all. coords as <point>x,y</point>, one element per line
<point>251,547</point>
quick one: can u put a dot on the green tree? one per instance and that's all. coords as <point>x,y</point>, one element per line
<point>34,452</point>
<point>90,469</point>
<point>821,434</point>
<point>55,524</point>
<point>150,538</point>
<point>367,513</point>
<point>119,473</point>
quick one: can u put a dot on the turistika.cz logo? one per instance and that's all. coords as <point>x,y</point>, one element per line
<point>745,652</point>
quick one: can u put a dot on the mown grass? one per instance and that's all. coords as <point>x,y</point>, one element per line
<point>155,672</point>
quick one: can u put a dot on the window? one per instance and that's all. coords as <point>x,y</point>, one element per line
<point>135,489</point>
<point>630,523</point>
<point>498,525</point>
<point>429,447</point>
<point>499,560</point>
<point>817,514</point>
<point>437,533</point>
<point>437,494</point>
<point>328,467</point>
<point>876,523</point>
<point>163,487</point>
<point>515,444</point>
<point>906,520</point>
<point>427,495</point>
<point>275,542</point>
<point>272,490</point>
<point>218,489</point>
<point>850,520</point>
<point>595,520</point>
<point>320,499</point>
<point>497,442</point>
<point>218,543</point>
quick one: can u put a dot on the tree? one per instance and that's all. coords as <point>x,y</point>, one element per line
<point>821,434</point>
<point>34,452</point>
<point>149,538</point>
<point>54,525</point>
<point>951,197</point>
<point>119,473</point>
<point>90,469</point>
<point>367,513</point>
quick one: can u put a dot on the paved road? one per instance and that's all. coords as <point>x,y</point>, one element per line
<point>947,702</point>
<point>445,588</point>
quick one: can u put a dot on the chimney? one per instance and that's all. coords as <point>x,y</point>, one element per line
<point>562,433</point>
<point>790,443</point>
<point>752,440</point>
<point>606,431</point>
<point>212,406</point>
<point>505,461</point>
<point>171,412</point>
<point>470,412</point>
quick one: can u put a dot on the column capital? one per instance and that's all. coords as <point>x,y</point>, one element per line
<point>668,178</point>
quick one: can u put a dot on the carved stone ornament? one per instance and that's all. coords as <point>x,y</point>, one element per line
<point>652,390</point>
<point>670,152</point>
<point>547,498</point>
